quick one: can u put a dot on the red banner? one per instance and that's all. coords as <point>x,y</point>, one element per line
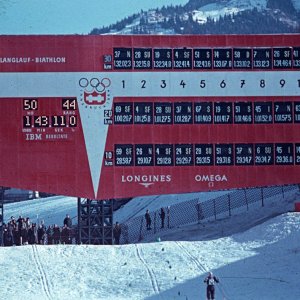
<point>122,116</point>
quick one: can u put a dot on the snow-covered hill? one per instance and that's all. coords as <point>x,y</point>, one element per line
<point>221,8</point>
<point>262,262</point>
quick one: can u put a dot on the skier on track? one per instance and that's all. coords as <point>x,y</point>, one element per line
<point>210,280</point>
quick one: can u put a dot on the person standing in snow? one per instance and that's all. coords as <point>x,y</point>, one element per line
<point>162,217</point>
<point>148,220</point>
<point>210,280</point>
<point>117,233</point>
<point>68,221</point>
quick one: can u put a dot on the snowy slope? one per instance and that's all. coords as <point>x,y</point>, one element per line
<point>218,9</point>
<point>254,259</point>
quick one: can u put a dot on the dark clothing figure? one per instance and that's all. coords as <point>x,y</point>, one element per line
<point>41,235</point>
<point>56,234</point>
<point>148,220</point>
<point>17,236</point>
<point>31,235</point>
<point>23,234</point>
<point>68,221</point>
<point>7,239</point>
<point>50,235</point>
<point>162,217</point>
<point>210,280</point>
<point>65,235</point>
<point>117,233</point>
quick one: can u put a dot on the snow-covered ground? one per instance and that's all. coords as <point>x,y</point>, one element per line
<point>255,257</point>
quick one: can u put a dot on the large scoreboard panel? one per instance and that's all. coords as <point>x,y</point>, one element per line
<point>119,116</point>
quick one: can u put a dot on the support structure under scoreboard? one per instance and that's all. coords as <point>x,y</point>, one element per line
<point>95,221</point>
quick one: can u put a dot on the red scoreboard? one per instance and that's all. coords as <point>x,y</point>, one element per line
<point>120,116</point>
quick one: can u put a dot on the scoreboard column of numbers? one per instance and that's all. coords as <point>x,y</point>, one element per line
<point>243,113</point>
<point>142,58</point>
<point>264,154</point>
<point>283,112</point>
<point>143,113</point>
<point>183,58</point>
<point>123,155</point>
<point>163,58</point>
<point>263,113</point>
<point>123,113</point>
<point>144,155</point>
<point>262,58</point>
<point>244,154</point>
<point>163,113</point>
<point>282,58</point>
<point>222,58</point>
<point>223,113</point>
<point>203,59</point>
<point>164,155</point>
<point>183,113</point>
<point>284,154</point>
<point>203,113</point>
<point>224,154</point>
<point>242,58</point>
<point>297,154</point>
<point>296,57</point>
<point>122,58</point>
<point>204,155</point>
<point>297,112</point>
<point>184,155</point>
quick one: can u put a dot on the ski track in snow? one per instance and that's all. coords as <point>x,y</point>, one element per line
<point>154,283</point>
<point>43,278</point>
<point>193,258</point>
<point>201,267</point>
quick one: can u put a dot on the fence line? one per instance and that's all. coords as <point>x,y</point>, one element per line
<point>196,211</point>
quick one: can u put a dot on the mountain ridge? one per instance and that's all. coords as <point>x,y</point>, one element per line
<point>213,17</point>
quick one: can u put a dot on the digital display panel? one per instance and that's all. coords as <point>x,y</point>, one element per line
<point>123,113</point>
<point>183,58</point>
<point>243,113</point>
<point>163,113</point>
<point>122,58</point>
<point>164,155</point>
<point>144,155</point>
<point>183,113</point>
<point>203,112</point>
<point>223,113</point>
<point>262,58</point>
<point>203,59</point>
<point>143,113</point>
<point>222,58</point>
<point>163,58</point>
<point>242,58</point>
<point>282,58</point>
<point>264,154</point>
<point>224,154</point>
<point>142,58</point>
<point>204,154</point>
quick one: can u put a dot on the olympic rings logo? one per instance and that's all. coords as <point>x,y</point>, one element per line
<point>94,84</point>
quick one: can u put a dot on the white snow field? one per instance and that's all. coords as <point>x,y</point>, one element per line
<point>256,256</point>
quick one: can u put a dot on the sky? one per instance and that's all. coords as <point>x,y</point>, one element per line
<point>69,16</point>
<point>254,255</point>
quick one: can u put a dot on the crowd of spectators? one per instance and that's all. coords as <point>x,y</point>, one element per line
<point>22,231</point>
